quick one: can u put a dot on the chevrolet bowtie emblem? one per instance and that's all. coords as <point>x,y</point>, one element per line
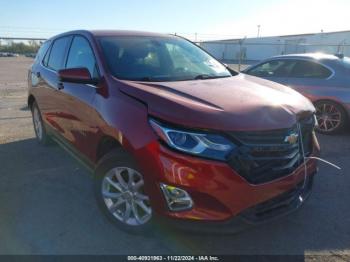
<point>291,139</point>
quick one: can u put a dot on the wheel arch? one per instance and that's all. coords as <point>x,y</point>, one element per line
<point>30,101</point>
<point>105,145</point>
<point>347,113</point>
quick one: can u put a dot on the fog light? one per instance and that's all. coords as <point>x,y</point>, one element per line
<point>177,199</point>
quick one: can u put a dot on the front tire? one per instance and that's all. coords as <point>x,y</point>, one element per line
<point>119,191</point>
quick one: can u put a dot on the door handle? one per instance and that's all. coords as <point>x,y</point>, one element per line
<point>38,74</point>
<point>60,86</point>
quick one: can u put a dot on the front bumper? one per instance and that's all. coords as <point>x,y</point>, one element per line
<point>265,212</point>
<point>220,194</point>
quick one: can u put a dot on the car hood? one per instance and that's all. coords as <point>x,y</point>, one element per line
<point>235,103</point>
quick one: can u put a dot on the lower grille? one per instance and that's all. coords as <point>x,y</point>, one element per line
<point>279,205</point>
<point>266,155</point>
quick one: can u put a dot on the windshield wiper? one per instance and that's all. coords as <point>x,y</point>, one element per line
<point>161,79</point>
<point>145,79</point>
<point>205,76</point>
<point>150,79</point>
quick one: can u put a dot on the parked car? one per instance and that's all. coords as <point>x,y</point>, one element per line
<point>324,79</point>
<point>31,55</point>
<point>170,133</point>
<point>6,54</point>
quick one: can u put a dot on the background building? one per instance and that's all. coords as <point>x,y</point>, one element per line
<point>255,49</point>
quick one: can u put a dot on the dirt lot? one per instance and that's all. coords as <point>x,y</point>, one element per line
<point>47,205</point>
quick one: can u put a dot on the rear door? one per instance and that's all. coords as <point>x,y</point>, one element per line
<point>311,78</point>
<point>51,102</point>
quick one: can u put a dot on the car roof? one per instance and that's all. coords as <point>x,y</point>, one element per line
<point>316,56</point>
<point>326,59</point>
<point>125,33</point>
<point>101,33</point>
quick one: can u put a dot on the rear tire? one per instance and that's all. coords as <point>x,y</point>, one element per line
<point>39,126</point>
<point>119,192</point>
<point>331,117</point>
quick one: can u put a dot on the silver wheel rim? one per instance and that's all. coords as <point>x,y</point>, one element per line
<point>37,123</point>
<point>123,194</point>
<point>328,117</point>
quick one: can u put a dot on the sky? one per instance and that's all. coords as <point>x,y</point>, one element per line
<point>195,19</point>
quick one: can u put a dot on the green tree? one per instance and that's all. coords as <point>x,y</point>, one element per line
<point>20,48</point>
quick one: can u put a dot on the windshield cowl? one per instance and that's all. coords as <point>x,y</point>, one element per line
<point>173,79</point>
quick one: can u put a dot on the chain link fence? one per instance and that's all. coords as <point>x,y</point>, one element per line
<point>245,52</point>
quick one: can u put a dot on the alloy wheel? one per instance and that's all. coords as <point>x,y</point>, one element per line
<point>328,117</point>
<point>123,194</point>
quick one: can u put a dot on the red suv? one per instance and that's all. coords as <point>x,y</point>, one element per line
<point>172,133</point>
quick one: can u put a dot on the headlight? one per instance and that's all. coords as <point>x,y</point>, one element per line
<point>201,144</point>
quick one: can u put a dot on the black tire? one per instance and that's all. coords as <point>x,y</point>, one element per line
<point>42,137</point>
<point>112,160</point>
<point>335,111</point>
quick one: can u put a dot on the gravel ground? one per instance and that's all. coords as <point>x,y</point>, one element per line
<point>47,205</point>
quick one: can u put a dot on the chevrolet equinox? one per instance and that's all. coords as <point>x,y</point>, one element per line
<point>170,133</point>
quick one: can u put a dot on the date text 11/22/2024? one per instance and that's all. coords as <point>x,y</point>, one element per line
<point>173,258</point>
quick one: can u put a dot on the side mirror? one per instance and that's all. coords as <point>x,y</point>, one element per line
<point>76,75</point>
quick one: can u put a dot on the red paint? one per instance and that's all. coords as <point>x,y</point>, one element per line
<point>84,115</point>
<point>215,187</point>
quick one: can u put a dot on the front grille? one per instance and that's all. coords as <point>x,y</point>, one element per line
<point>280,205</point>
<point>265,155</point>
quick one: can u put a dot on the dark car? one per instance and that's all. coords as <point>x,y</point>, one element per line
<point>324,79</point>
<point>170,132</point>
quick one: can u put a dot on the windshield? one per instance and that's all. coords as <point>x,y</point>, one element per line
<point>144,58</point>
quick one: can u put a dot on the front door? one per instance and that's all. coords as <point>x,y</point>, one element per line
<point>79,98</point>
<point>276,70</point>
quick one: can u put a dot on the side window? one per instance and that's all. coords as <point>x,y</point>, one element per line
<point>42,51</point>
<point>81,55</point>
<point>307,69</point>
<point>275,68</point>
<point>57,53</point>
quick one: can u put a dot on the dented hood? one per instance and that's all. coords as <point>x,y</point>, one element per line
<point>235,103</point>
